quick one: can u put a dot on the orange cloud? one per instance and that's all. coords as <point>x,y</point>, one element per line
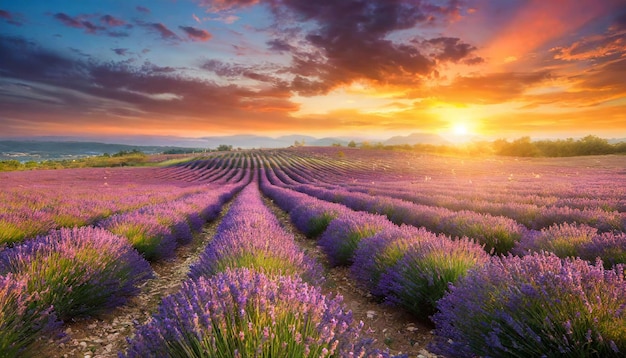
<point>538,22</point>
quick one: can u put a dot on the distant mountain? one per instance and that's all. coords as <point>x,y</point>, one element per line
<point>47,150</point>
<point>328,141</point>
<point>416,138</point>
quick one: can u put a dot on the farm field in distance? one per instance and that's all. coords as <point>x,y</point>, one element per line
<point>316,251</point>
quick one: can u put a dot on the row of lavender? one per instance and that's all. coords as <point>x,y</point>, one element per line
<point>88,270</point>
<point>33,203</point>
<point>497,233</point>
<point>252,293</point>
<point>602,207</point>
<point>491,179</point>
<point>537,305</point>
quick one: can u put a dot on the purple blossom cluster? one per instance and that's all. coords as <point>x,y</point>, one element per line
<point>343,235</point>
<point>310,215</point>
<point>78,272</point>
<point>428,265</point>
<point>530,210</point>
<point>244,313</point>
<point>498,234</point>
<point>536,305</point>
<point>156,230</point>
<point>35,202</point>
<point>22,319</point>
<point>570,240</point>
<point>251,236</point>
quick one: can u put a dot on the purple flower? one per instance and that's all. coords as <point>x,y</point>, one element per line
<point>536,304</point>
<point>80,271</point>
<point>280,316</point>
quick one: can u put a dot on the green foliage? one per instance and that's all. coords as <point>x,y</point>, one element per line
<point>352,144</point>
<point>589,145</point>
<point>224,148</point>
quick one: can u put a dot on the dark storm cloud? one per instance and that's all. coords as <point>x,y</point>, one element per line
<point>196,34</point>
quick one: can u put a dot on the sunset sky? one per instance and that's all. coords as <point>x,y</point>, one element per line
<point>491,68</point>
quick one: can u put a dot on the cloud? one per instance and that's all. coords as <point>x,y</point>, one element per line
<point>490,88</point>
<point>61,87</point>
<point>602,47</point>
<point>78,22</point>
<point>84,22</point>
<point>120,51</point>
<point>339,42</point>
<point>223,5</point>
<point>195,34</point>
<point>12,18</point>
<point>161,30</point>
<point>143,9</point>
<point>452,49</point>
<point>112,21</point>
<point>279,46</point>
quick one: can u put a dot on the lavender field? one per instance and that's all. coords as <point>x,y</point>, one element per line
<point>497,257</point>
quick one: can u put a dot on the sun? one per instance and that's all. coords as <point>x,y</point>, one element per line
<point>460,130</point>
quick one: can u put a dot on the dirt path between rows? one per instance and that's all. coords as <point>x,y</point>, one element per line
<point>392,327</point>
<point>105,336</point>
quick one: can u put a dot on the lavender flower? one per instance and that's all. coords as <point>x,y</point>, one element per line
<point>80,271</point>
<point>341,238</point>
<point>246,314</point>
<point>536,305</point>
<point>376,254</point>
<point>429,264</point>
<point>250,236</point>
<point>22,319</point>
<point>152,239</point>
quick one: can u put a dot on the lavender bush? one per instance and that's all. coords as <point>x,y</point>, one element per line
<point>564,240</point>
<point>610,247</point>
<point>250,236</point>
<point>376,254</point>
<point>496,233</point>
<point>22,320</point>
<point>531,306</point>
<point>341,238</point>
<point>80,271</point>
<point>314,217</point>
<point>243,313</point>
<point>421,277</point>
<point>152,239</point>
